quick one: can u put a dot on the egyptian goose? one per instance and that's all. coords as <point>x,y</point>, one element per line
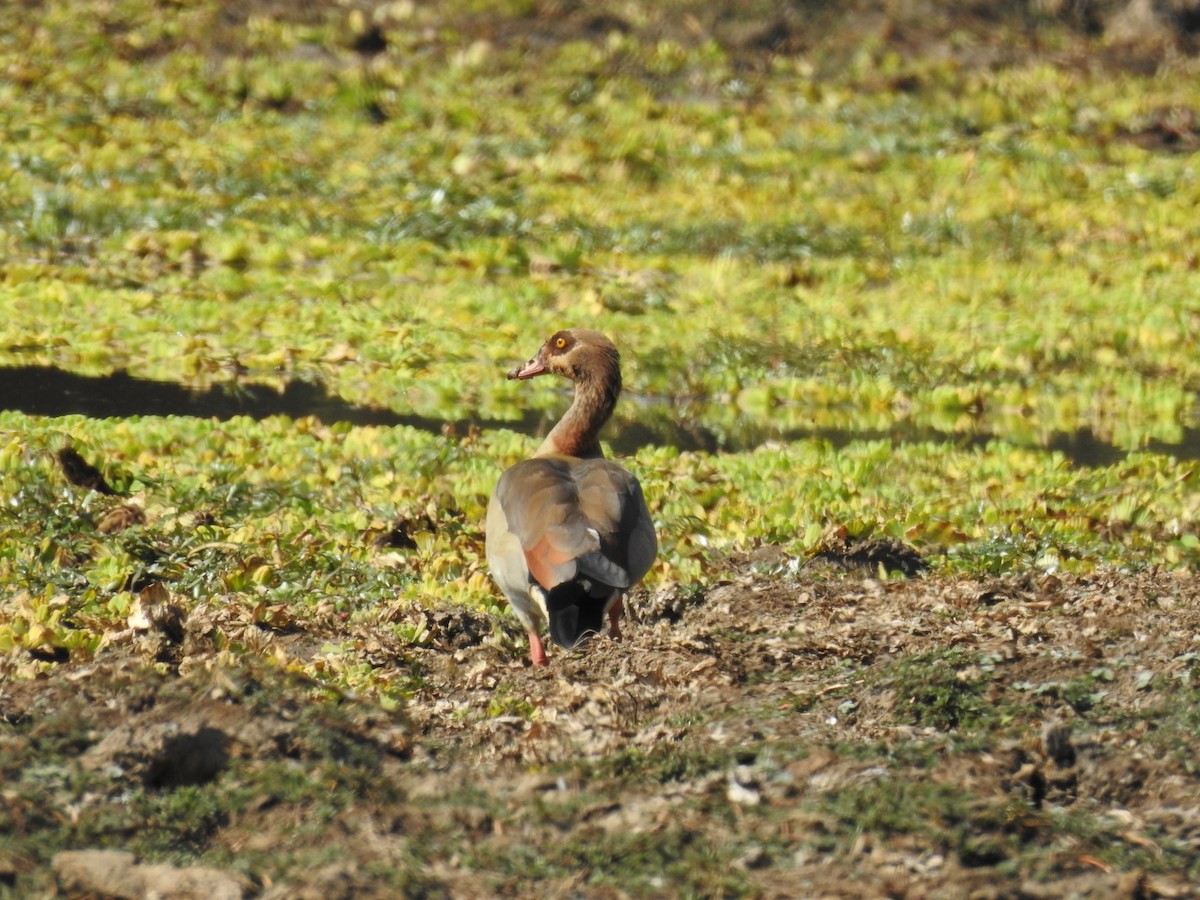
<point>568,531</point>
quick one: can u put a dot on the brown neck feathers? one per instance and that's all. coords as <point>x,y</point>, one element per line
<point>597,387</point>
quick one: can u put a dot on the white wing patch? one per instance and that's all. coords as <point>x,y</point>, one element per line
<point>539,595</point>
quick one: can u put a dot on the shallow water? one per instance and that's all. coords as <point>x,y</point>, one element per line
<point>46,391</point>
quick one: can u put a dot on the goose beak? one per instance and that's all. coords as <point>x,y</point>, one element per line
<point>534,367</point>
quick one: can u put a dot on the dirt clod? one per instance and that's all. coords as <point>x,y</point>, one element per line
<point>872,554</point>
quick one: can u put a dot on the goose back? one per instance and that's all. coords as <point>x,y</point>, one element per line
<point>565,538</point>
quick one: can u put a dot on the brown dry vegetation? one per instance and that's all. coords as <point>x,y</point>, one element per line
<point>814,735</point>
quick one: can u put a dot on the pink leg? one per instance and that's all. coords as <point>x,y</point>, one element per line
<point>537,653</point>
<point>614,618</point>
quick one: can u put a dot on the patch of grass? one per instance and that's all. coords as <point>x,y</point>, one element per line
<point>1082,694</point>
<point>942,690</point>
<point>1110,841</point>
<point>944,818</point>
<point>643,863</point>
<point>893,805</point>
<point>177,824</point>
<point>661,765</point>
<point>323,763</point>
<point>1174,718</point>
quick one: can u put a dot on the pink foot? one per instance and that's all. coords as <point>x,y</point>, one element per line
<point>537,653</point>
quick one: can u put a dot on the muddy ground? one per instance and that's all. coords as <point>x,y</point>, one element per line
<point>815,734</point>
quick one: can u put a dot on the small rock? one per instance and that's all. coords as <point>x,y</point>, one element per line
<point>105,872</point>
<point>1140,23</point>
<point>743,790</point>
<point>198,882</point>
<point>115,873</point>
<point>754,858</point>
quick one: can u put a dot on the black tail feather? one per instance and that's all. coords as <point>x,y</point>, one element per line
<point>575,612</point>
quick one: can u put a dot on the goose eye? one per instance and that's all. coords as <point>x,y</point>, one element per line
<point>560,342</point>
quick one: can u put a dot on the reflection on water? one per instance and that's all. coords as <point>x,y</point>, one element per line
<point>45,391</point>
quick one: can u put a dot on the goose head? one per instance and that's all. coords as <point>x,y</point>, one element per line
<point>580,354</point>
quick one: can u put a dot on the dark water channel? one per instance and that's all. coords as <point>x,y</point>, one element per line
<point>46,391</point>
